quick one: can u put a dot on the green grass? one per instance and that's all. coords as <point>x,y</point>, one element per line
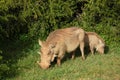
<point>95,67</point>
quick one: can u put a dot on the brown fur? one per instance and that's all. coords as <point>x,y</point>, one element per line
<point>59,42</point>
<point>93,40</point>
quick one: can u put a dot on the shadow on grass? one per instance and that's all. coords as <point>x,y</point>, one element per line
<point>106,49</point>
<point>12,51</point>
<point>68,56</point>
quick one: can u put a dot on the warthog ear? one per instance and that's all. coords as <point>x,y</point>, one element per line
<point>39,53</point>
<point>40,42</point>
<point>100,41</point>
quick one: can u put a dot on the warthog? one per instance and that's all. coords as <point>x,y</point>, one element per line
<point>94,41</point>
<point>58,43</point>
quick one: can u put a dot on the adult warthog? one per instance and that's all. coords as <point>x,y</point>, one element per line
<point>58,43</point>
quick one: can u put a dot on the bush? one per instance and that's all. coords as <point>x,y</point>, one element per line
<point>102,16</point>
<point>3,66</point>
<point>39,18</point>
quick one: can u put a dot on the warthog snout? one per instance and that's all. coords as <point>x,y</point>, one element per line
<point>43,65</point>
<point>101,51</point>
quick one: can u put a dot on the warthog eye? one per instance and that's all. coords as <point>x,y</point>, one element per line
<point>49,52</point>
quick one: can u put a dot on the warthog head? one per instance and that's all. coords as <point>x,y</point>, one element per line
<point>100,47</point>
<point>46,53</point>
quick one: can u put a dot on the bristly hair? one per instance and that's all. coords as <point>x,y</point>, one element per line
<point>93,33</point>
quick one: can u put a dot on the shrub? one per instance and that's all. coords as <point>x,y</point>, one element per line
<point>102,16</point>
<point>3,66</point>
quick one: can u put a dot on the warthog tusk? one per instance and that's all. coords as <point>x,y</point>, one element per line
<point>53,57</point>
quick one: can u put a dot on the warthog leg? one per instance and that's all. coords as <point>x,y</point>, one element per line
<point>58,61</point>
<point>73,54</point>
<point>92,49</point>
<point>82,49</point>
